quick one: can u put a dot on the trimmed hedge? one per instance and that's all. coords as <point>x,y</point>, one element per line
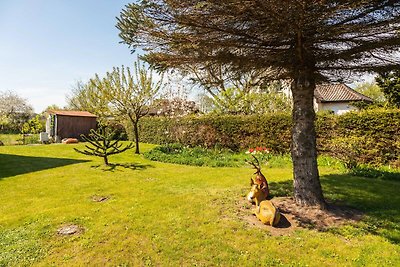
<point>381,127</point>
<point>233,132</point>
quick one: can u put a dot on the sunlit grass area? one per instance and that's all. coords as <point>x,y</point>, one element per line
<point>168,214</point>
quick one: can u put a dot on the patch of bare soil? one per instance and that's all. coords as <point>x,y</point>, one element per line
<point>295,217</point>
<point>70,229</point>
<point>97,198</point>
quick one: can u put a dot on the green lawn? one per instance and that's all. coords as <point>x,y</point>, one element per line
<point>166,214</point>
<point>18,139</point>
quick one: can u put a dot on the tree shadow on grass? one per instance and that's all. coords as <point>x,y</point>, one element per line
<point>118,167</point>
<point>379,200</point>
<point>11,165</point>
<point>376,173</point>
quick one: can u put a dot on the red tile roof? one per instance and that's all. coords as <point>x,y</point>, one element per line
<point>72,113</point>
<point>338,93</point>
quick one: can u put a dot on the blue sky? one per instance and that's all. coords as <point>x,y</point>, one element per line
<point>47,45</point>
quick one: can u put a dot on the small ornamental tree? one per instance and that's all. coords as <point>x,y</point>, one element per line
<point>128,95</point>
<point>102,145</point>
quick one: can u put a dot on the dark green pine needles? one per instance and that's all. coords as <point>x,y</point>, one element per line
<point>101,144</point>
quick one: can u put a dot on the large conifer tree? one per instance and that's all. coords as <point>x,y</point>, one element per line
<point>305,41</point>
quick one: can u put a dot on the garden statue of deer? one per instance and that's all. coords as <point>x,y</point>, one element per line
<point>260,178</point>
<point>265,211</point>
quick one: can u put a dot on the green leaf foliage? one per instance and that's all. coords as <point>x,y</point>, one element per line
<point>33,126</point>
<point>375,133</point>
<point>390,84</point>
<point>233,132</point>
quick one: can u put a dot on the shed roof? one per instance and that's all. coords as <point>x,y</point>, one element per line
<point>72,113</point>
<point>338,93</point>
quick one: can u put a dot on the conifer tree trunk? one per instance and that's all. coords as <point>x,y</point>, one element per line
<point>307,187</point>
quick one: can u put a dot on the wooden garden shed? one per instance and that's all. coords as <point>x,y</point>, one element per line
<point>69,124</point>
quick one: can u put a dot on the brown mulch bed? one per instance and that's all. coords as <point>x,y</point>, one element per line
<point>295,217</point>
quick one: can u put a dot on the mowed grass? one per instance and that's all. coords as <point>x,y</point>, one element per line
<point>11,139</point>
<point>18,139</point>
<point>173,215</point>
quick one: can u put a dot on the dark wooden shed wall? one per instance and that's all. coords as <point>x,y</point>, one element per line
<point>74,126</point>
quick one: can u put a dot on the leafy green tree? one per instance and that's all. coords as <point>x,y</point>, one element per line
<point>52,107</point>
<point>304,41</point>
<point>235,101</point>
<point>372,90</point>
<point>33,126</point>
<point>101,144</point>
<point>390,84</point>
<point>86,97</point>
<point>128,95</point>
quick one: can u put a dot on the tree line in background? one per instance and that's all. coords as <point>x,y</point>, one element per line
<point>384,90</point>
<point>225,94</point>
<point>17,116</point>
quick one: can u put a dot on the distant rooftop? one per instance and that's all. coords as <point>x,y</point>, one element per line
<point>72,113</point>
<point>338,93</point>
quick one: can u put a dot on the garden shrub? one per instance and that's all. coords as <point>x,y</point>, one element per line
<point>232,132</point>
<point>380,130</point>
<point>351,150</point>
<point>33,126</point>
<point>29,139</point>
<point>118,131</point>
<point>373,135</point>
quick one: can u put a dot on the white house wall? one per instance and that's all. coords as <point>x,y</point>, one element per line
<point>337,107</point>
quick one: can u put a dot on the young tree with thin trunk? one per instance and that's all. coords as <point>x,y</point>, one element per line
<point>129,95</point>
<point>305,41</point>
<point>101,144</point>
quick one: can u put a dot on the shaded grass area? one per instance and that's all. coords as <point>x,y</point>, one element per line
<point>12,165</point>
<point>378,200</point>
<point>384,173</point>
<point>166,214</point>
